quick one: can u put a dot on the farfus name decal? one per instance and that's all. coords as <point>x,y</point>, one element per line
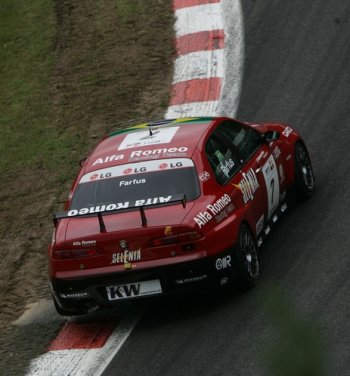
<point>118,206</point>
<point>202,218</point>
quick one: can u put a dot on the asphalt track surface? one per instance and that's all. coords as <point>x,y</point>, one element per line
<point>296,70</point>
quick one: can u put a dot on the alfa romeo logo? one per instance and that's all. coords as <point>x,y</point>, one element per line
<point>123,244</point>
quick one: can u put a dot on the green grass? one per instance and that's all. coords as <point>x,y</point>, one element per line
<point>127,9</point>
<point>26,56</point>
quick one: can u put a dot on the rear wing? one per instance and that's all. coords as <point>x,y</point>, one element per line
<point>113,208</point>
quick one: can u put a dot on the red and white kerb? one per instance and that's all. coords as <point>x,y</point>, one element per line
<point>199,67</point>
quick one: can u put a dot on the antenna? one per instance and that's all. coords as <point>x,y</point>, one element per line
<point>145,108</point>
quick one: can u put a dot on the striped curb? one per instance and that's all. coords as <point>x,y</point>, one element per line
<point>199,66</point>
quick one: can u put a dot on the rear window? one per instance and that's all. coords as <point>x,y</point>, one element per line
<point>146,183</point>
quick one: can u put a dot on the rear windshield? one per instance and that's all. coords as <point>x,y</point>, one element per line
<point>149,182</point>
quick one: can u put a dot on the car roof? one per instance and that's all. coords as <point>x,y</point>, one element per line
<point>148,141</point>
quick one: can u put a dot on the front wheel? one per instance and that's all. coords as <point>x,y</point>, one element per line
<point>304,175</point>
<point>247,261</point>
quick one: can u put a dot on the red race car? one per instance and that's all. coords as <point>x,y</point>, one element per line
<point>173,205</point>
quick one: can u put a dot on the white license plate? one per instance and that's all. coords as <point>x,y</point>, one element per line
<point>134,290</point>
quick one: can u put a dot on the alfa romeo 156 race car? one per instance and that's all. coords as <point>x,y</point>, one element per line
<point>172,205</point>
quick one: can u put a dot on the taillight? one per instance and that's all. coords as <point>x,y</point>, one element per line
<point>73,253</point>
<point>186,237</point>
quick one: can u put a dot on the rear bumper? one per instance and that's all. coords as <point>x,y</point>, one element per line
<point>79,295</point>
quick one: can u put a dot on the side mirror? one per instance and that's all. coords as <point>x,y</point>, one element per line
<point>271,136</point>
<point>82,162</point>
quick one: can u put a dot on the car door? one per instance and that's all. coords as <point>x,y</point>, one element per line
<point>259,163</point>
<point>243,167</point>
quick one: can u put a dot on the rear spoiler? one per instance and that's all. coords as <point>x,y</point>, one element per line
<point>102,210</point>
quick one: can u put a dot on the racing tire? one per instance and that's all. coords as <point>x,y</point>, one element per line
<point>247,260</point>
<point>304,175</point>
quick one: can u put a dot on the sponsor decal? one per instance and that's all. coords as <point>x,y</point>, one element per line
<point>93,177</point>
<point>248,185</point>
<point>224,214</point>
<point>126,256</point>
<point>123,244</point>
<point>276,152</point>
<point>259,225</point>
<point>219,155</point>
<point>223,262</point>
<point>261,156</point>
<point>226,166</point>
<point>74,295</point>
<point>84,243</point>
<point>168,230</point>
<point>171,165</point>
<point>127,171</point>
<point>109,158</point>
<point>182,281</point>
<point>152,201</point>
<point>281,171</point>
<point>283,196</point>
<point>132,290</point>
<point>204,176</point>
<point>118,206</point>
<point>137,168</point>
<point>100,176</point>
<point>202,218</point>
<point>287,131</point>
<point>167,152</point>
<point>146,138</point>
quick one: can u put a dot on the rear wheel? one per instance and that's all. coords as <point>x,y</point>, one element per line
<point>247,261</point>
<point>304,175</point>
